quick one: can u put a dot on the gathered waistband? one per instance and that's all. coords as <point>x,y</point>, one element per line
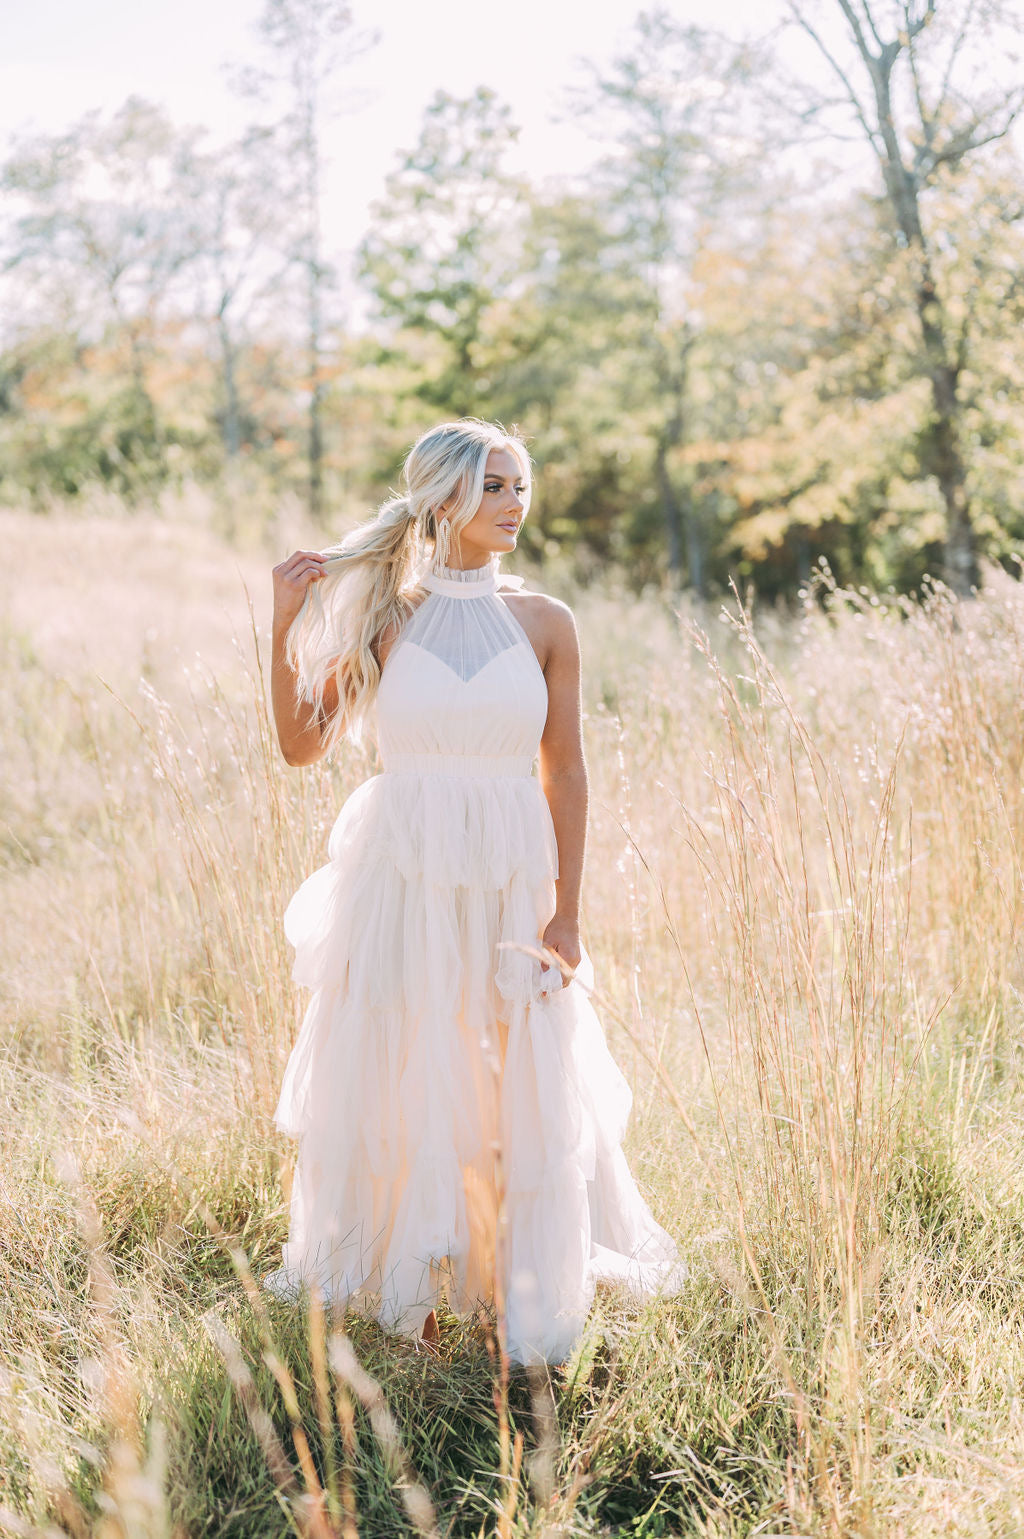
<point>473,766</point>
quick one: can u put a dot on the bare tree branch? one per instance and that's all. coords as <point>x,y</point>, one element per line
<point>927,118</point>
<point>968,139</point>
<point>871,23</point>
<point>851,94</point>
<point>858,33</point>
<point>914,27</point>
<point>953,52</point>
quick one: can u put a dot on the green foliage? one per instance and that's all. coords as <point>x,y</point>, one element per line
<point>444,241</point>
<point>723,374</point>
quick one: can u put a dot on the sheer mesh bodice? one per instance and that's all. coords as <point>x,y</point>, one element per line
<point>462,680</point>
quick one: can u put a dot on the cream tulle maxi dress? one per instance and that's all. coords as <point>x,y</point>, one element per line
<point>428,1043</point>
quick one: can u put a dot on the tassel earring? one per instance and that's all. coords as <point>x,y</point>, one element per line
<point>442,545</point>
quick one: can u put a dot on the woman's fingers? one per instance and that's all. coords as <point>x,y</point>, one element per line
<point>293,578</point>
<point>557,973</point>
<point>300,561</point>
<point>297,557</point>
<point>299,570</point>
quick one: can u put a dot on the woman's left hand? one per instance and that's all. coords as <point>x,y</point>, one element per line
<point>563,937</point>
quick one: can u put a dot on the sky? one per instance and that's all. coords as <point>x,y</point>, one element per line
<point>61,58</point>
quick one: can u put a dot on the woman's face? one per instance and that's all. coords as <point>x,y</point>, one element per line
<point>495,525</point>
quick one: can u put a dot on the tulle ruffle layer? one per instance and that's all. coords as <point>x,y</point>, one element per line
<point>420,867</point>
<point>432,1071</point>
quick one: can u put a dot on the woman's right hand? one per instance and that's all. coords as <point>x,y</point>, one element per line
<point>292,578</point>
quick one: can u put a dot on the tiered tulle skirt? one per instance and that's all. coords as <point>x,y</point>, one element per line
<point>453,1118</point>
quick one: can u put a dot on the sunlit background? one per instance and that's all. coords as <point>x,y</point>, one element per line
<point>749,289</point>
<point>750,279</point>
<point>62,60</point>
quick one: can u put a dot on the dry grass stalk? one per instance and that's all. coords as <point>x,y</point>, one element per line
<point>415,1498</point>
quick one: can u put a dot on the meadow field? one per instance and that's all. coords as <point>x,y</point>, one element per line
<point>804,901</point>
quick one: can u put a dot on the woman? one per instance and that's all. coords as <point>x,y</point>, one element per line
<point>458,1112</point>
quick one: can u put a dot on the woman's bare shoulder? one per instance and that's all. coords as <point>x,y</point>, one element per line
<point>540,604</point>
<point>549,623</point>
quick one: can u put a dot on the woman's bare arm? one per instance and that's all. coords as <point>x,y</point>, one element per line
<point>300,731</point>
<point>563,775</point>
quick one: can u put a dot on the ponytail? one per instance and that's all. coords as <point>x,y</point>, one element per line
<point>346,612</point>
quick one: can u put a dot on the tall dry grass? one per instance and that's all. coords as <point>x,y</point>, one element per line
<point>803,900</point>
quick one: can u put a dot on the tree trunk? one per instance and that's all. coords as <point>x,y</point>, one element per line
<point>231,431</point>
<point>316,443</point>
<point>946,460</point>
<point>681,531</point>
<point>961,570</point>
<point>314,271</point>
<point>670,509</point>
<point>694,552</point>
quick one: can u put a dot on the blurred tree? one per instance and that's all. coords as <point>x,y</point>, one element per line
<point>713,350</point>
<point>828,409</point>
<point>237,193</point>
<point>558,352</point>
<point>988,286</point>
<point>918,78</point>
<point>669,105</point>
<point>101,234</point>
<point>307,43</point>
<point>446,241</point>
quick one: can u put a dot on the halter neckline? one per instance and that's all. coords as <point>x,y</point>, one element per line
<point>456,583</point>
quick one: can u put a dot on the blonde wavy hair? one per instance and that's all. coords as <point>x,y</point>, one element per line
<point>372,573</point>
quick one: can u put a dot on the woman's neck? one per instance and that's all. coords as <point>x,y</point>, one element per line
<point>470,560</point>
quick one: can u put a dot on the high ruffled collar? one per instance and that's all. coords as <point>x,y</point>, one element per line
<point>455,582</point>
